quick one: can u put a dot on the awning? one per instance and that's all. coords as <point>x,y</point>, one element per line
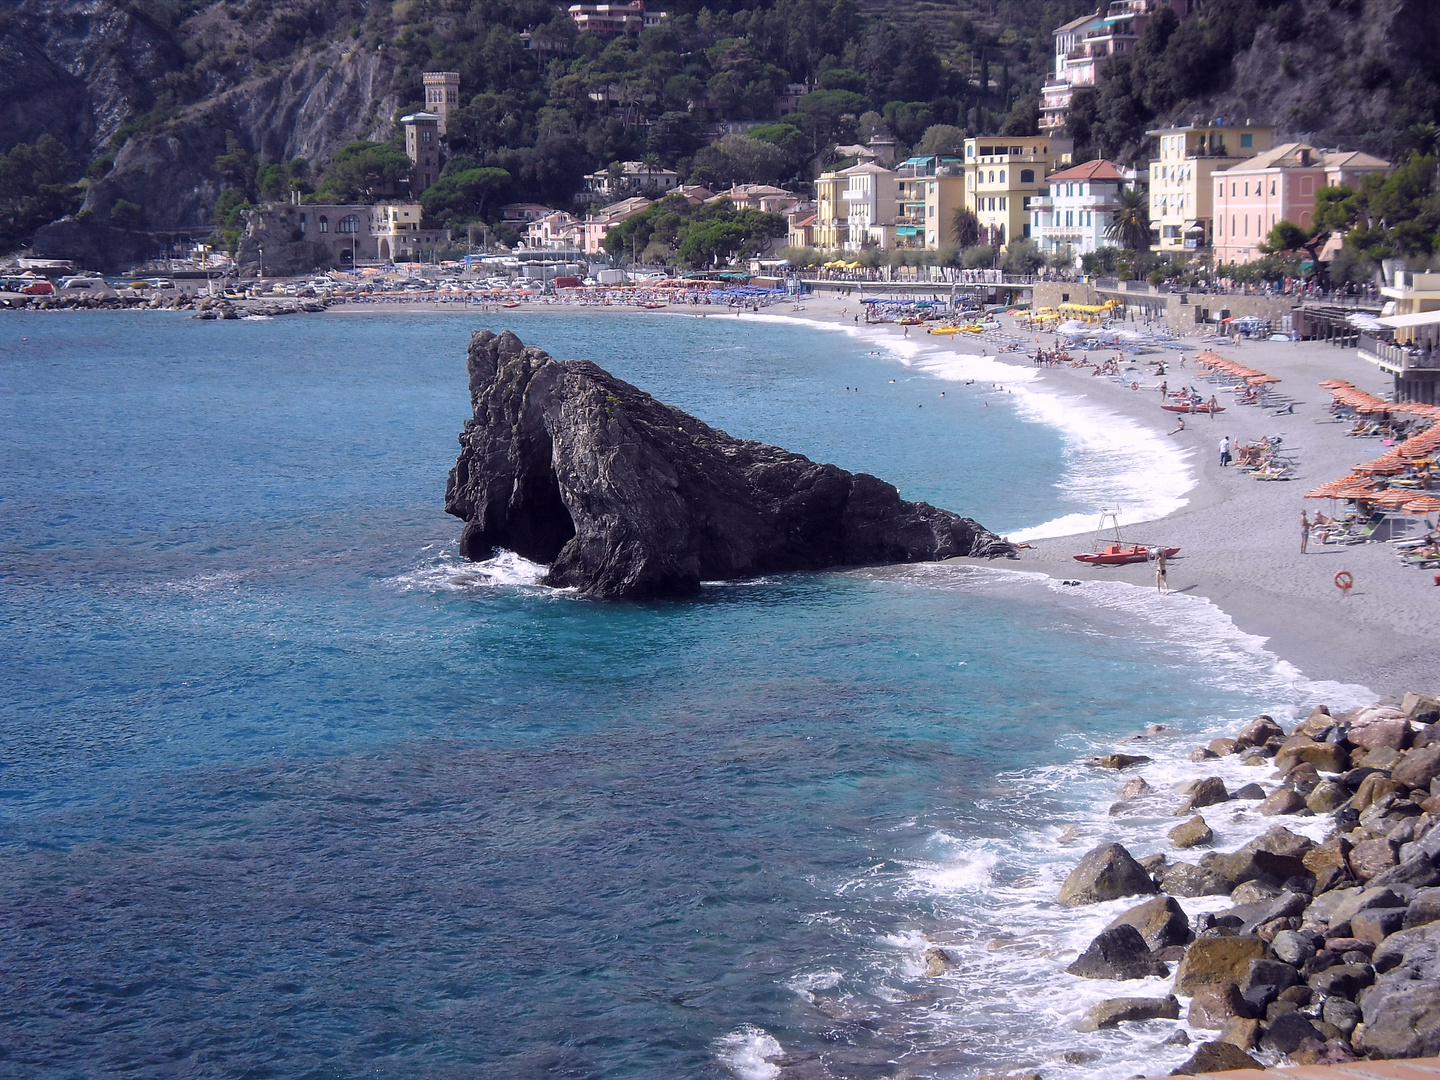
<point>1423,318</point>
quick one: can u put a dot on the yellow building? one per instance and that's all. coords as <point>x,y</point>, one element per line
<point>832,213</point>
<point>929,191</point>
<point>1182,188</point>
<point>1002,174</point>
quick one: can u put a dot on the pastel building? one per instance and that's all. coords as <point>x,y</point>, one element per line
<point>1251,198</point>
<point>1003,174</point>
<point>1078,209</point>
<point>1083,45</point>
<point>928,190</point>
<point>1182,184</point>
<point>628,18</point>
<point>870,199</point>
<point>832,216</point>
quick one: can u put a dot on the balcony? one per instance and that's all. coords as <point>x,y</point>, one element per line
<point>1397,359</point>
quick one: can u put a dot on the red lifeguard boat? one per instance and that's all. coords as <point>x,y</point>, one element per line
<point>1116,552</point>
<point>1191,407</point>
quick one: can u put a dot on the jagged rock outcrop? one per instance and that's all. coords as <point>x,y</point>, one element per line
<point>629,497</point>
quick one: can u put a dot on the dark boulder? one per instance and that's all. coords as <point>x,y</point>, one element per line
<point>1118,953</point>
<point>1107,872</point>
<point>1217,1056</point>
<point>626,496</point>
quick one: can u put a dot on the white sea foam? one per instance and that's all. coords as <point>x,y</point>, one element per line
<point>748,1053</point>
<point>989,900</point>
<point>447,572</point>
<point>1111,460</point>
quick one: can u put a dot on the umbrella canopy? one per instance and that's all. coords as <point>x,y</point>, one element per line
<point>1261,380</point>
<point>1384,465</point>
<point>1424,504</point>
<point>1390,500</point>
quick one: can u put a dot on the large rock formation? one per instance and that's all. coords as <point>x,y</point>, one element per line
<point>629,497</point>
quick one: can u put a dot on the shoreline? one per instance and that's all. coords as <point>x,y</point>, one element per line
<point>1239,537</point>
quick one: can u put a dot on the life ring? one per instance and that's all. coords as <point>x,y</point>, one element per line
<point>1344,581</point>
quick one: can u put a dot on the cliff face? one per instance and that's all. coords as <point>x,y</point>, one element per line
<point>1353,74</point>
<point>629,497</point>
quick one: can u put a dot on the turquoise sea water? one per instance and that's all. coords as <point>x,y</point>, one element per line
<point>287,790</point>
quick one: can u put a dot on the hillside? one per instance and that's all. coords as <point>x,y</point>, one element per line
<point>159,108</point>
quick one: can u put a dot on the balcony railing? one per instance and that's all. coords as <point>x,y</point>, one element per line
<point>1395,357</point>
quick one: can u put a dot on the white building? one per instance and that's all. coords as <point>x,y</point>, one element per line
<point>626,179</point>
<point>871,199</point>
<point>1077,210</point>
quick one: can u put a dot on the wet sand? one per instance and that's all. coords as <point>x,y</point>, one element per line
<point>1240,537</point>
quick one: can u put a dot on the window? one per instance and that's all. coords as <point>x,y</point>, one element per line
<point>1247,140</point>
<point>1027,176</point>
<point>1002,176</point>
<point>349,224</point>
<point>302,224</point>
<point>1004,203</point>
<point>992,176</point>
<point>324,224</point>
<point>427,135</point>
<point>1232,189</point>
<point>1272,187</point>
<point>1307,185</point>
<point>1069,218</point>
<point>1027,232</point>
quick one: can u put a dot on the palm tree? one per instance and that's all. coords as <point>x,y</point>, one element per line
<point>966,227</point>
<point>1130,225</point>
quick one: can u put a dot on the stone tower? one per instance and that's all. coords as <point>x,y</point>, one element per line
<point>442,94</point>
<point>422,144</point>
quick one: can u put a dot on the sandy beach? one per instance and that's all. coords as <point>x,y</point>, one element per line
<point>1239,537</point>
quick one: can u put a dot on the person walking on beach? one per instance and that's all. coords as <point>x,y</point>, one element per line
<point>1162,585</point>
<point>1224,450</point>
<point>1304,531</point>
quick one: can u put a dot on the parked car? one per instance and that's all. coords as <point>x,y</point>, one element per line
<point>38,287</point>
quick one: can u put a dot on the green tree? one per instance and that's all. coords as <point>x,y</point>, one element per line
<point>739,159</point>
<point>1287,238</point>
<point>1130,226</point>
<point>125,214</point>
<point>1021,258</point>
<point>965,227</point>
<point>364,172</point>
<point>34,189</point>
<point>946,140</point>
<point>462,197</point>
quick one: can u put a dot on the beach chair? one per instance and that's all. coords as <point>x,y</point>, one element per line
<point>1366,530</point>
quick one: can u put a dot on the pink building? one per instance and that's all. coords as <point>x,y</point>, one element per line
<point>1251,198</point>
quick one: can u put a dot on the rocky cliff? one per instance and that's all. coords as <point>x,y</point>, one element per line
<point>626,496</point>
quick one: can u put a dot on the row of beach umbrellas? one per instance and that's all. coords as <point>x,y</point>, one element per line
<point>1231,367</point>
<point>1361,484</point>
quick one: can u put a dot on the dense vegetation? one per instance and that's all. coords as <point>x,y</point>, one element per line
<point>675,230</point>
<point>544,104</point>
<point>35,187</point>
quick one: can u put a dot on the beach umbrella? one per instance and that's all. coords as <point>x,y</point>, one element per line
<point>1262,380</point>
<point>1384,465</point>
<point>1424,504</point>
<point>1334,384</point>
<point>1390,500</point>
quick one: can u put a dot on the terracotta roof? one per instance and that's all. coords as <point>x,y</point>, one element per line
<point>1099,169</point>
<point>801,223</point>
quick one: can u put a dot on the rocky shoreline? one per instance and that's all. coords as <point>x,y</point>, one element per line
<point>1330,951</point>
<point>205,307</point>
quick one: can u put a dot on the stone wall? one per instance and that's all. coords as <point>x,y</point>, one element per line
<point>1181,312</point>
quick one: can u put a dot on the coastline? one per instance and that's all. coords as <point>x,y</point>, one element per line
<point>1239,537</point>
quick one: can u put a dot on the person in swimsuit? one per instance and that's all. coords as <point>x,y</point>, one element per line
<point>1161,584</point>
